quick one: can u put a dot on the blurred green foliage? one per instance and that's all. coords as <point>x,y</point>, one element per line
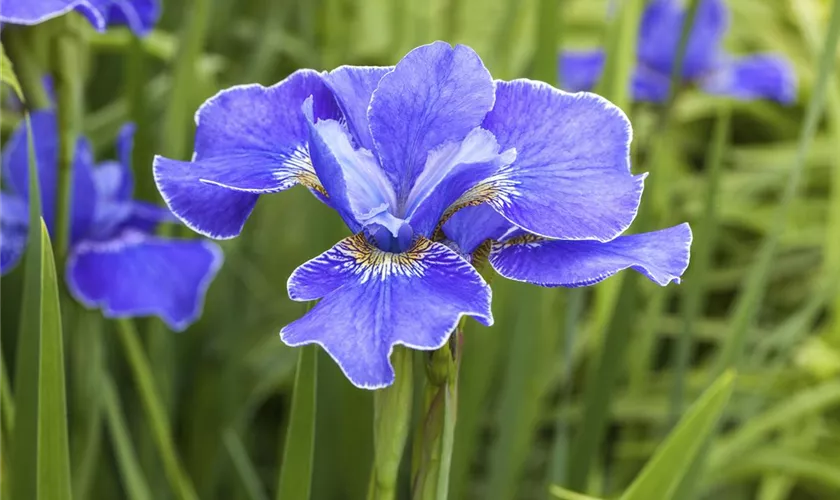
<point>225,384</point>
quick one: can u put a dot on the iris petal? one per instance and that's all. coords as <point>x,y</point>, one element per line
<point>662,256</point>
<point>250,140</point>
<point>140,275</point>
<point>31,12</point>
<point>450,171</point>
<point>84,198</point>
<point>471,226</point>
<point>353,87</point>
<point>660,30</point>
<point>12,248</point>
<point>139,15</point>
<point>581,70</point>
<point>571,178</point>
<point>355,184</point>
<point>16,161</point>
<point>374,300</point>
<point>763,76</point>
<point>436,95</point>
<point>14,224</point>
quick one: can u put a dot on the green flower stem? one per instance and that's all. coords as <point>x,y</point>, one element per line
<point>27,70</point>
<point>391,418</point>
<point>436,432</point>
<point>154,409</point>
<point>67,64</point>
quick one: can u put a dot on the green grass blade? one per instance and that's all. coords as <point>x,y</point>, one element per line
<point>7,74</point>
<point>751,294</point>
<point>154,410</point>
<point>53,446</point>
<point>24,468</point>
<point>295,479</point>
<point>701,261</point>
<point>131,474</point>
<point>741,442</point>
<point>7,402</point>
<point>546,38</point>
<point>662,475</point>
<point>244,468</point>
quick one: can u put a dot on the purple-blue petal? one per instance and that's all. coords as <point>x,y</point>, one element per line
<point>211,210</point>
<point>571,178</point>
<point>451,171</point>
<point>146,217</point>
<point>15,209</point>
<point>84,197</point>
<point>374,300</point>
<point>14,224</point>
<point>580,70</point>
<point>353,87</point>
<point>435,95</point>
<point>762,76</point>
<point>357,187</point>
<point>30,12</point>
<point>140,275</point>
<point>649,85</point>
<point>16,160</point>
<point>250,140</point>
<point>12,247</point>
<point>139,15</point>
<point>471,226</point>
<point>662,256</point>
<point>660,30</point>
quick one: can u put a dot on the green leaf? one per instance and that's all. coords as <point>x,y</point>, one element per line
<point>53,447</point>
<point>663,473</point>
<point>296,468</point>
<point>154,411</point>
<point>133,480</point>
<point>7,73</point>
<point>41,452</point>
<point>244,467</point>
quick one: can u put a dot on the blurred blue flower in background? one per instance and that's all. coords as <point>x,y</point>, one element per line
<point>139,15</point>
<point>762,76</point>
<point>423,161</point>
<point>115,262</point>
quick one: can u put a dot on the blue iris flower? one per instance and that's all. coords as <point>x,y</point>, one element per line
<point>139,15</point>
<point>423,161</point>
<point>115,262</point>
<point>706,65</point>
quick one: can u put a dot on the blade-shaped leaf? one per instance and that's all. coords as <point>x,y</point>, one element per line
<point>662,475</point>
<point>7,73</point>
<point>296,468</point>
<point>53,447</point>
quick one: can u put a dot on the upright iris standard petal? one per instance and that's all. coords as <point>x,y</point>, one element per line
<point>139,15</point>
<point>353,87</point>
<point>662,256</point>
<point>84,197</point>
<point>250,140</point>
<point>16,161</point>
<point>581,70</point>
<point>30,12</point>
<point>139,275</point>
<point>571,178</point>
<point>374,300</point>
<point>469,227</point>
<point>450,171</point>
<point>14,224</point>
<point>763,76</point>
<point>357,188</point>
<point>436,94</point>
<point>661,28</point>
